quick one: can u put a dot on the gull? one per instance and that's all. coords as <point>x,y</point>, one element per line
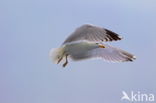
<point>86,42</point>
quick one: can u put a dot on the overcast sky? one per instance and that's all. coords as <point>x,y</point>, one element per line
<point>30,28</point>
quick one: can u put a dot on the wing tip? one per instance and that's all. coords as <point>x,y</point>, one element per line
<point>112,36</point>
<point>130,59</point>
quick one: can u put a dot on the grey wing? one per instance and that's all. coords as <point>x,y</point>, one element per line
<point>109,54</point>
<point>93,34</point>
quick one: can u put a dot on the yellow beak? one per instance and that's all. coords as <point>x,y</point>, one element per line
<point>101,46</point>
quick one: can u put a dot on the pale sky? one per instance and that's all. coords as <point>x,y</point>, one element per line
<point>30,28</point>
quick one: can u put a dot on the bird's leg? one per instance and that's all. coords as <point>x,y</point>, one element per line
<point>66,61</point>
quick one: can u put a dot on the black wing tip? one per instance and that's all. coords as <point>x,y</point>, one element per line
<point>112,36</point>
<point>130,59</point>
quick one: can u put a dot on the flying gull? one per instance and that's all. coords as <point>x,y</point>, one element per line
<point>86,42</point>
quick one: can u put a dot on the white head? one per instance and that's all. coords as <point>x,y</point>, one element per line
<point>56,55</point>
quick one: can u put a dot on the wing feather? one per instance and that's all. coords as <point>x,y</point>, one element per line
<point>93,34</point>
<point>109,53</point>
